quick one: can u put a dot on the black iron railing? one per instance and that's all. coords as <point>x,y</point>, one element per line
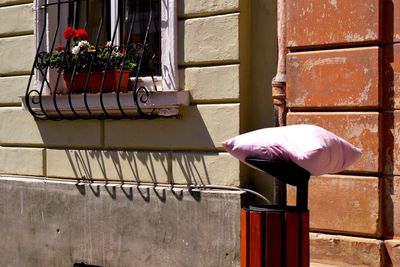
<point>85,78</point>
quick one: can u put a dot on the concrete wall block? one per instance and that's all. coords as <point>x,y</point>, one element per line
<point>18,127</point>
<point>204,7</point>
<point>21,161</point>
<point>16,55</point>
<point>339,250</point>
<point>126,166</point>
<point>345,204</point>
<point>393,249</point>
<point>362,129</point>
<point>212,83</point>
<point>316,22</point>
<point>205,168</point>
<point>16,19</point>
<point>334,78</point>
<point>391,206</point>
<point>209,39</point>
<point>201,126</point>
<point>11,88</point>
<point>60,224</point>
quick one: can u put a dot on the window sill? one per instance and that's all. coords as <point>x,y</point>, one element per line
<point>158,104</point>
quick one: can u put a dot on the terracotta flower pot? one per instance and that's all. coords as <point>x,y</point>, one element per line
<point>94,84</point>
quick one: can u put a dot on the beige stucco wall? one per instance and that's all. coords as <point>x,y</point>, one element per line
<point>226,61</point>
<point>259,55</point>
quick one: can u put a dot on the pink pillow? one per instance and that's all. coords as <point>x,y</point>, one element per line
<point>311,147</point>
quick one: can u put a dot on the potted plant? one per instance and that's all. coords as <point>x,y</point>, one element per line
<point>84,64</point>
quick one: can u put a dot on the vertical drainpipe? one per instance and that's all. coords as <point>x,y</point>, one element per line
<point>279,90</point>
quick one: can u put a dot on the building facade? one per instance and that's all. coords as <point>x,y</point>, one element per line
<point>114,192</point>
<point>100,192</point>
<point>342,75</point>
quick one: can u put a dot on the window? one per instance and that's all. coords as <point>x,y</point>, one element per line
<point>134,40</point>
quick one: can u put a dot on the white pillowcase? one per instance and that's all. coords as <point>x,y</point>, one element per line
<point>311,147</point>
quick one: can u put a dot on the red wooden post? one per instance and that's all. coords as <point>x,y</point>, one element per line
<point>292,239</point>
<point>305,239</point>
<point>273,238</point>
<point>256,239</point>
<point>244,238</point>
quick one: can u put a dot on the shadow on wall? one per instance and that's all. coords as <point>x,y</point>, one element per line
<point>124,166</point>
<point>201,127</point>
<point>143,150</point>
<point>147,193</point>
<point>132,166</point>
<point>138,167</point>
<point>389,145</point>
<point>193,168</point>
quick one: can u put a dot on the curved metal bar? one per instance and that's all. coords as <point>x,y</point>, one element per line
<point>39,92</point>
<point>71,22</point>
<point>69,89</point>
<point>59,69</point>
<point>128,47</point>
<point>136,89</point>
<point>91,65</point>
<point>43,114</point>
<point>43,66</point>
<point>90,72</point>
<point>111,50</point>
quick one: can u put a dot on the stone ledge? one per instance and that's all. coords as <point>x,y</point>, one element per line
<point>346,250</point>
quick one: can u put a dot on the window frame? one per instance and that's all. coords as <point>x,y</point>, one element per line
<point>174,97</point>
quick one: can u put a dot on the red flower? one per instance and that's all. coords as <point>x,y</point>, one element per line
<point>59,48</point>
<point>81,34</point>
<point>136,39</point>
<point>69,33</point>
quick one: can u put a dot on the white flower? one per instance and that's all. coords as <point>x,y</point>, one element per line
<point>83,44</point>
<point>114,53</point>
<point>75,50</point>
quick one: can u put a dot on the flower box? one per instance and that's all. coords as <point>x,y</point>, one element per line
<point>111,81</point>
<point>78,56</point>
